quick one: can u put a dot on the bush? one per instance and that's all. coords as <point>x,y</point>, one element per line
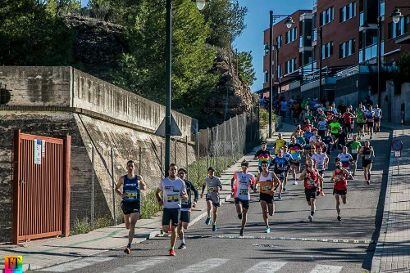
<point>149,205</point>
<point>82,226</point>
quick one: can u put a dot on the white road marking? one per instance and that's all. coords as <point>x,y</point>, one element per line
<point>203,266</point>
<point>266,267</point>
<point>77,264</point>
<point>140,266</point>
<point>326,269</point>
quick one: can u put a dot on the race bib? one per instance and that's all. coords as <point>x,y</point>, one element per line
<point>243,192</point>
<point>354,151</point>
<point>172,198</point>
<point>211,189</point>
<point>312,182</point>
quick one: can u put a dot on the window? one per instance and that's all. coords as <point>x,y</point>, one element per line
<point>291,35</point>
<point>347,48</point>
<point>279,41</point>
<point>382,7</point>
<point>327,50</point>
<point>266,76</point>
<point>279,71</point>
<point>290,66</point>
<point>400,28</point>
<point>327,16</point>
<point>347,12</point>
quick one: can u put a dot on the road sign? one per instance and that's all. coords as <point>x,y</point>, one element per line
<point>397,145</point>
<point>175,131</point>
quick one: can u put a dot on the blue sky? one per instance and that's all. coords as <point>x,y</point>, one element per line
<point>257,20</point>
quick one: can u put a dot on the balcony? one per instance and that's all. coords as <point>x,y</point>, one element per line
<point>369,53</point>
<point>309,68</point>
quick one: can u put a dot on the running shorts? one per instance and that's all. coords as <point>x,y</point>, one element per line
<point>185,216</point>
<point>370,124</point>
<point>376,119</point>
<point>339,192</point>
<point>354,157</point>
<point>130,207</point>
<point>245,203</point>
<point>170,215</point>
<point>295,162</point>
<point>310,193</point>
<point>216,202</point>
<point>266,197</point>
<point>366,163</point>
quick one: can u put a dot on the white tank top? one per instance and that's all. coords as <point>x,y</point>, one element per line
<point>265,178</point>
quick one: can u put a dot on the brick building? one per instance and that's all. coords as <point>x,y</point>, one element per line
<point>346,49</point>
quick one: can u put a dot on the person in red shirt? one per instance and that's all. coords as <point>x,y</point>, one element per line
<point>340,177</point>
<point>311,181</point>
<point>348,122</point>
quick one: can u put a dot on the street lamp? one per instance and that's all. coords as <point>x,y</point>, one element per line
<point>168,56</point>
<point>289,23</point>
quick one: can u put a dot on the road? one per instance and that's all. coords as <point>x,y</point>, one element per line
<point>294,245</point>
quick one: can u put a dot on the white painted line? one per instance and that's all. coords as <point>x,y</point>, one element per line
<point>266,267</point>
<point>204,266</point>
<point>326,269</point>
<point>140,266</point>
<point>77,264</point>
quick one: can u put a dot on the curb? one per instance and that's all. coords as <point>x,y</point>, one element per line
<point>377,256</point>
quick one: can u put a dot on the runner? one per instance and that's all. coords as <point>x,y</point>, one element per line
<point>266,181</point>
<point>361,121</point>
<point>185,215</point>
<point>241,184</point>
<point>348,122</point>
<point>335,130</point>
<point>322,126</point>
<point>172,189</point>
<point>321,161</point>
<point>132,185</point>
<point>340,176</point>
<point>377,118</point>
<point>297,131</point>
<point>281,168</point>
<point>279,143</point>
<point>312,181</point>
<point>295,150</point>
<point>354,146</point>
<point>367,154</point>
<point>263,155</point>
<point>213,202</point>
<point>369,114</point>
<point>328,140</point>
<point>308,134</point>
<point>345,158</point>
<point>300,139</point>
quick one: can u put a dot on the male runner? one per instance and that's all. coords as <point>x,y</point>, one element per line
<point>295,150</point>
<point>377,118</point>
<point>345,158</point>
<point>172,189</point>
<point>340,176</point>
<point>354,146</point>
<point>263,155</point>
<point>367,154</point>
<point>369,114</point>
<point>213,202</point>
<point>185,215</point>
<point>279,143</point>
<point>266,181</point>
<point>311,180</point>
<point>132,185</point>
<point>348,122</point>
<point>361,121</point>
<point>241,184</point>
<point>322,126</point>
<point>328,140</point>
<point>335,129</point>
<point>321,160</point>
<point>281,166</point>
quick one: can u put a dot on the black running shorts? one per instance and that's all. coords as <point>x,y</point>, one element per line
<point>310,193</point>
<point>130,207</point>
<point>266,197</point>
<point>339,192</point>
<point>245,203</point>
<point>185,216</point>
<point>170,215</point>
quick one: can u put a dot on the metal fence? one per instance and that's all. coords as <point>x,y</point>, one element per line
<point>234,136</point>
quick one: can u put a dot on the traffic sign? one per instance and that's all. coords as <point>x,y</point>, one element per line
<point>175,131</point>
<point>397,145</point>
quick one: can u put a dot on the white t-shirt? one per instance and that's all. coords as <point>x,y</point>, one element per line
<point>377,113</point>
<point>242,185</point>
<point>171,192</point>
<point>320,160</point>
<point>345,159</point>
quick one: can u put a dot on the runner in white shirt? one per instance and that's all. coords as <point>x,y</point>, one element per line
<point>345,158</point>
<point>321,162</point>
<point>377,118</point>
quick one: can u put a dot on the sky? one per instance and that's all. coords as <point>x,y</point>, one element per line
<point>257,20</point>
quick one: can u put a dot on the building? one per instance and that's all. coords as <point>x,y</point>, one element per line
<point>339,42</point>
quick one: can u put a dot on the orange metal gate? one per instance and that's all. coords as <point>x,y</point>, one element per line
<point>41,188</point>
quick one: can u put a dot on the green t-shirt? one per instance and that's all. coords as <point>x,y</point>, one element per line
<point>354,146</point>
<point>335,127</point>
<point>360,116</point>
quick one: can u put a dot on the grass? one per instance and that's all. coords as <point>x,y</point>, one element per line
<point>149,206</point>
<point>82,226</point>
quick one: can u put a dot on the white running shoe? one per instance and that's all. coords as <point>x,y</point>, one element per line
<point>295,182</point>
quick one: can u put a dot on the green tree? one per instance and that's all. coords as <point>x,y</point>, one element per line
<point>245,68</point>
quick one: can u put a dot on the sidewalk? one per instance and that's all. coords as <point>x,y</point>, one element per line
<point>392,252</point>
<point>50,252</point>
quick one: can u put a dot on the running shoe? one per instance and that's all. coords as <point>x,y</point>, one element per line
<point>241,232</point>
<point>127,250</point>
<point>368,182</point>
<point>207,221</point>
<point>214,227</point>
<point>322,193</point>
<point>339,218</point>
<point>172,252</point>
<point>310,217</point>
<point>295,182</point>
<point>267,229</point>
<point>240,216</point>
<point>182,246</point>
<point>279,196</point>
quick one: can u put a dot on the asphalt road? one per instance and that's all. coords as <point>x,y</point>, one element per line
<point>294,245</point>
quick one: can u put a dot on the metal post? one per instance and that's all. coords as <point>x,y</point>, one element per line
<point>140,160</point>
<point>92,186</point>
<point>162,156</point>
<point>186,154</point>
<point>270,72</point>
<point>168,57</point>
<point>320,63</point>
<point>379,57</point>
<point>175,151</point>
<point>113,186</point>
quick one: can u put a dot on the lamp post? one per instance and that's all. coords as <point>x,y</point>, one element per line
<point>289,23</point>
<point>320,63</point>
<point>168,56</point>
<point>379,54</point>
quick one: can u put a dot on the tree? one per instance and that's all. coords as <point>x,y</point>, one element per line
<point>245,68</point>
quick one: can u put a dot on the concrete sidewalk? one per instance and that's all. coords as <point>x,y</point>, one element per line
<point>392,252</point>
<point>49,252</point>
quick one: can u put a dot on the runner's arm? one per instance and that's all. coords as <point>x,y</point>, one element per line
<point>143,185</point>
<point>302,175</point>
<point>196,193</point>
<point>120,182</point>
<point>158,195</point>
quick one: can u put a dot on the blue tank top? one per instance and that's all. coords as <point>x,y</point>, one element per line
<point>131,189</point>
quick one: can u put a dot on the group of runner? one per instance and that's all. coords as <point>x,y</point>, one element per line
<point>306,156</point>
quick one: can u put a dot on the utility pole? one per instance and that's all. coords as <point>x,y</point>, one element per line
<point>270,72</point>
<point>168,57</point>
